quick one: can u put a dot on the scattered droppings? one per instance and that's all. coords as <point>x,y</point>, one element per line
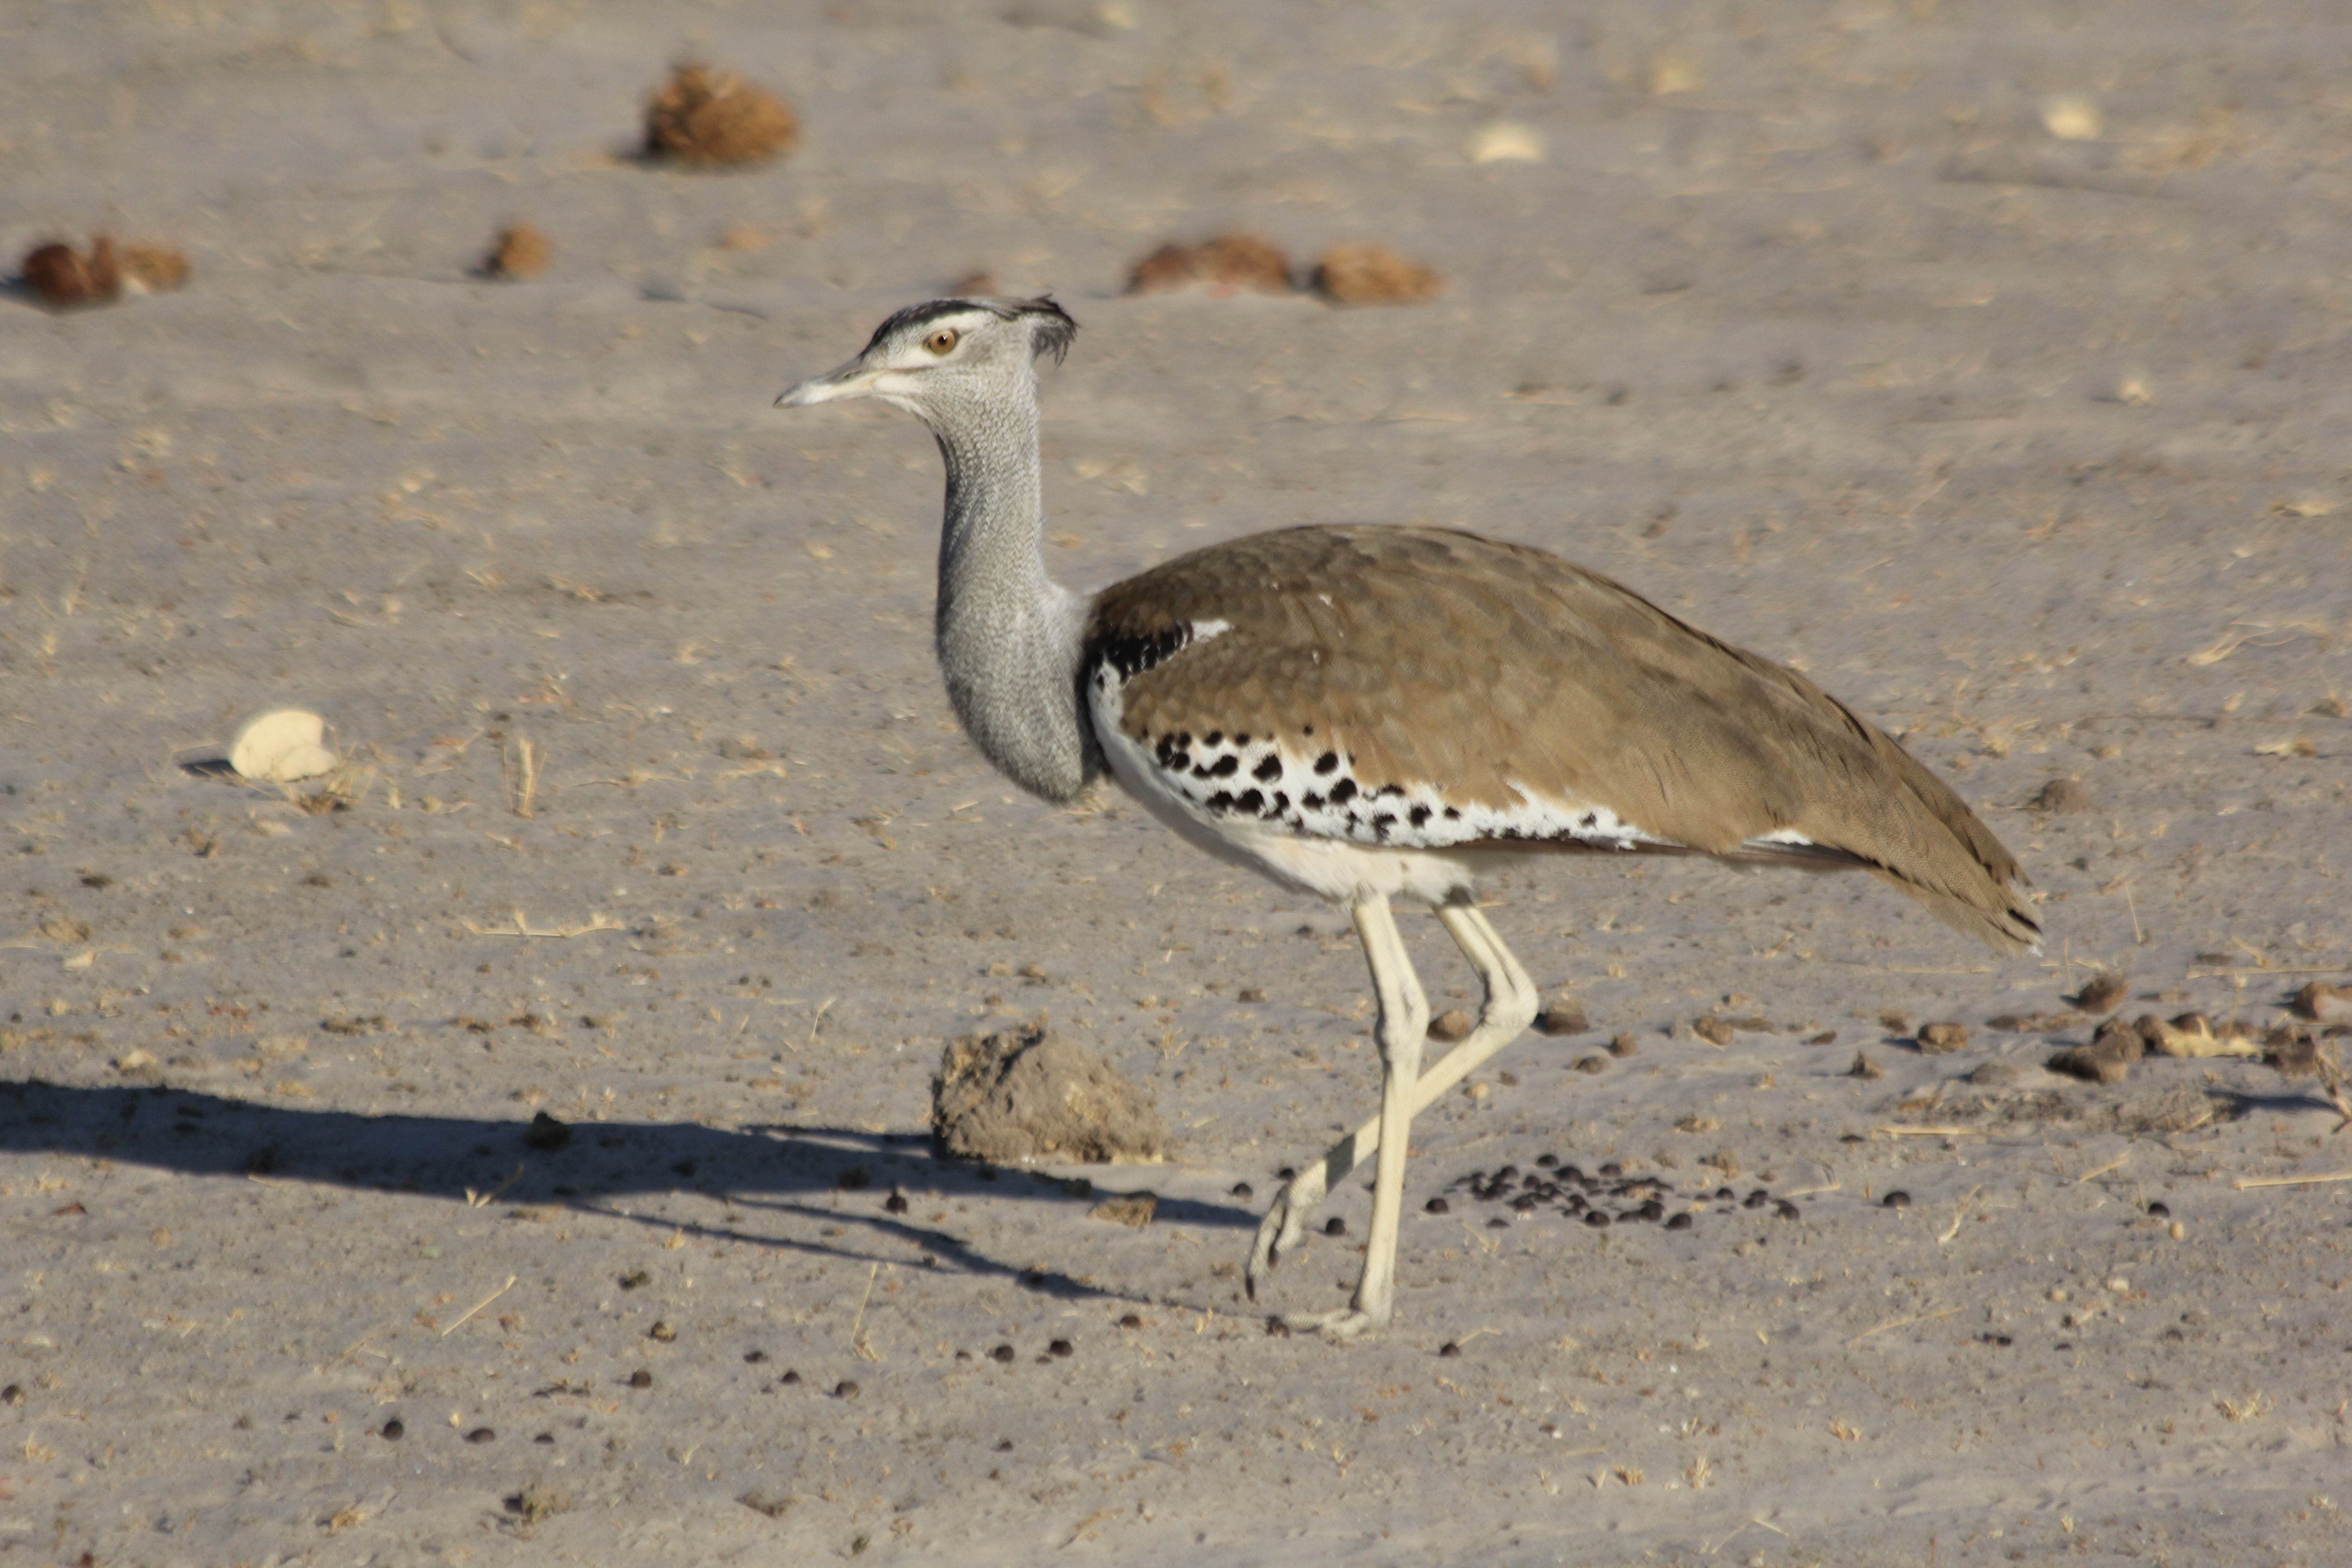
<point>710,118</point>
<point>283,744</point>
<point>1437,1206</point>
<point>1863,1068</point>
<point>1453,1023</point>
<point>2102,994</point>
<point>1898,1199</point>
<point>2062,797</point>
<point>1942,1039</point>
<point>1562,1018</point>
<point>391,1431</point>
<point>481,1435</point>
<point>1335,1226</point>
<point>1003,1353</point>
<point>1028,1093</point>
<point>1134,1210</point>
<point>1592,1064</point>
<point>518,252</point>
<point>1373,275</point>
<point>844,1389</point>
<point>644,1378</point>
<point>1227,264</point>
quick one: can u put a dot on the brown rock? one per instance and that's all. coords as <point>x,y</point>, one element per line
<point>2325,1004</point>
<point>1227,264</point>
<point>2062,796</point>
<point>1942,1039</point>
<point>1134,1210</point>
<point>1996,1075</point>
<point>2102,995</point>
<point>518,252</point>
<point>1373,275</point>
<point>1623,1046</point>
<point>1714,1031</point>
<point>1030,1094</point>
<point>64,279</point>
<point>2291,1051</point>
<point>1453,1023</point>
<point>710,118</point>
<point>2089,1065</point>
<point>1562,1018</point>
<point>1593,1063</point>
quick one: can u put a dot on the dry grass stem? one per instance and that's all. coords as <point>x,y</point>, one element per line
<point>2243,1183</point>
<point>859,1345</point>
<point>484,1300</point>
<point>597,922</point>
<point>1937,1316</point>
<point>523,760</point>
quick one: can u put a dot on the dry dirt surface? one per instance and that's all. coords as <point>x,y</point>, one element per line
<point>1987,362</point>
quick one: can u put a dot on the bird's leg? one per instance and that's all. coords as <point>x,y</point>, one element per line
<point>1509,1007</point>
<point>1403,1025</point>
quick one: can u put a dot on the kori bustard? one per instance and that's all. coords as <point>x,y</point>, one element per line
<point>1374,713</point>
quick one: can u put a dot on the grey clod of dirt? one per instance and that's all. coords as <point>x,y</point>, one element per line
<point>1031,1094</point>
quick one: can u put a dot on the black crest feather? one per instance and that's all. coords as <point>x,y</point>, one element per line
<point>1051,329</point>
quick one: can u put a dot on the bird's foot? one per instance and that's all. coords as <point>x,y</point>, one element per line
<point>1340,1327</point>
<point>1284,1225</point>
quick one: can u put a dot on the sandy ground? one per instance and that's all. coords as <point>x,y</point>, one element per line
<point>1806,321</point>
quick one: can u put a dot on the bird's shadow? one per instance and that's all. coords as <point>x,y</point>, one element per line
<point>786,1170</point>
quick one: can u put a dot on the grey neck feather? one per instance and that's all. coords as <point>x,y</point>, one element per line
<point>1008,635</point>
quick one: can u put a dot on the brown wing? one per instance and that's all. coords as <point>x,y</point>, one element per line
<point>1474,666</point>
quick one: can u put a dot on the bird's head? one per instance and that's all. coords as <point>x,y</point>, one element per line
<point>927,358</point>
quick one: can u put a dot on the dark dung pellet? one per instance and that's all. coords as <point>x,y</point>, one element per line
<point>1896,1200</point>
<point>2159,1211</point>
<point>1287,1174</point>
<point>1547,1161</point>
<point>544,1437</point>
<point>1784,1209</point>
<point>1276,1329</point>
<point>1437,1206</point>
<point>1611,1170</point>
<point>1335,1226</point>
<point>1060,1348</point>
<point>1130,1321</point>
<point>1244,1190</point>
<point>393,1431</point>
<point>754,1358</point>
<point>844,1389</point>
<point>1449,1349</point>
<point>1679,1221</point>
<point>1498,1223</point>
<point>1596,1219</point>
<point>1002,1353</point>
<point>481,1435</point>
<point>1525,1202</point>
<point>1756,1200</point>
<point>790,1377</point>
<point>895,1204</point>
<point>641,1378</point>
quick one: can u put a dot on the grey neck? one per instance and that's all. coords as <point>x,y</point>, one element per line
<point>1008,635</point>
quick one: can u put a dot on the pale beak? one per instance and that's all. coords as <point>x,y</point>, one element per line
<point>852,380</point>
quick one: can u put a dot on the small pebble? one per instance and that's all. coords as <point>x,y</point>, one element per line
<point>1592,1064</point>
<point>1060,1348</point>
<point>1623,1046</point>
<point>1562,1018</point>
<point>641,1378</point>
<point>1287,1174</point>
<point>1596,1219</point>
<point>1002,1353</point>
<point>1453,1023</point>
<point>1547,1161</point>
<point>790,1378</point>
<point>1756,1200</point>
<point>1498,1223</point>
<point>2177,1231</point>
<point>2159,1210</point>
<point>548,1437</point>
<point>481,1435</point>
<point>1784,1209</point>
<point>1244,1190</point>
<point>844,1389</point>
<point>661,1330</point>
<point>895,1204</point>
<point>1437,1206</point>
<point>1130,1321</point>
<point>1942,1039</point>
<point>1896,1200</point>
<point>391,1431</point>
<point>754,1358</point>
<point>1449,1349</point>
<point>1250,994</point>
<point>1679,1221</point>
<point>1611,1170</point>
<point>1335,1226</point>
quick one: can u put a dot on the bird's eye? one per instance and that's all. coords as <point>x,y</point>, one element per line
<point>939,342</point>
